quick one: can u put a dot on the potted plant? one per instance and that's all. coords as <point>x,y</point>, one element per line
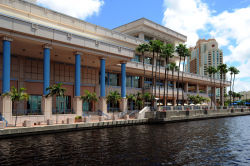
<point>242,110</point>
<point>78,119</point>
<point>232,110</point>
<point>187,112</point>
<point>211,107</point>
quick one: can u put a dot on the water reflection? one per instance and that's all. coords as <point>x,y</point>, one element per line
<point>209,142</point>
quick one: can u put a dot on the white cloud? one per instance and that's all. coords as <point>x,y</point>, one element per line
<point>241,86</point>
<point>75,8</point>
<point>186,17</point>
<point>189,16</point>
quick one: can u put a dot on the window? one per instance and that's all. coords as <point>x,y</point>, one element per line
<point>34,102</point>
<point>63,102</point>
<point>146,38</point>
<point>148,82</point>
<point>159,83</point>
<point>160,62</point>
<point>137,58</point>
<point>128,81</point>
<point>85,106</point>
<point>148,60</point>
<point>136,82</point>
<point>113,79</point>
<point>136,36</point>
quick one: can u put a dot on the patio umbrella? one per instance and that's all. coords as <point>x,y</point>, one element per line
<point>159,104</point>
<point>198,104</point>
<point>191,104</point>
<point>185,104</point>
<point>178,104</point>
<point>204,104</point>
<point>169,104</point>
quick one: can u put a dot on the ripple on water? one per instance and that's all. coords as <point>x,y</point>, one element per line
<point>223,141</point>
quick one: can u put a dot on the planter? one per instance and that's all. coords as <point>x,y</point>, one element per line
<point>211,108</point>
<point>232,110</point>
<point>242,110</point>
<point>78,120</point>
<point>187,113</point>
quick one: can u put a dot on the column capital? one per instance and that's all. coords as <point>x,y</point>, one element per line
<point>48,46</point>
<point>123,62</point>
<point>102,57</point>
<point>7,38</point>
<point>78,53</point>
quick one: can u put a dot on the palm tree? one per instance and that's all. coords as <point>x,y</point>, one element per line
<point>234,95</point>
<point>16,96</point>
<point>131,98</point>
<point>56,90</point>
<point>113,97</point>
<point>231,69</point>
<point>187,53</point>
<point>180,49</point>
<point>173,67</point>
<point>223,69</point>
<point>210,70</point>
<point>142,48</point>
<point>236,71</point>
<point>167,53</point>
<point>89,97</point>
<point>147,97</point>
<point>214,72</point>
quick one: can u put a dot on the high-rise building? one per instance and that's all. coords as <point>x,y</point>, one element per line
<point>206,53</point>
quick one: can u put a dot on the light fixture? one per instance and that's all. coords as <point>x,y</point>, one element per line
<point>93,62</point>
<point>56,55</point>
<point>41,53</point>
<point>69,57</point>
<point>82,60</point>
<point>24,50</point>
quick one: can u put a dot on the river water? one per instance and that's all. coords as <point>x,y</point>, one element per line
<point>223,141</point>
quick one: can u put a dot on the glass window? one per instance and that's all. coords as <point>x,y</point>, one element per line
<point>113,79</point>
<point>137,58</point>
<point>106,78</point>
<point>63,102</point>
<point>34,102</point>
<point>147,38</point>
<point>85,106</point>
<point>148,60</point>
<point>160,62</point>
<point>136,81</point>
<point>159,83</point>
<point>148,82</point>
<point>128,81</point>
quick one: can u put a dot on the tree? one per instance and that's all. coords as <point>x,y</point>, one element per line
<point>180,49</point>
<point>214,72</point>
<point>138,104</point>
<point>56,90</point>
<point>167,53</point>
<point>211,71</point>
<point>147,97</point>
<point>89,97</point>
<point>231,70</point>
<point>234,95</point>
<point>131,98</point>
<point>223,69</point>
<point>236,71</point>
<point>197,99</point>
<point>173,67</point>
<point>114,98</point>
<point>16,96</point>
<point>142,48</point>
<point>187,53</point>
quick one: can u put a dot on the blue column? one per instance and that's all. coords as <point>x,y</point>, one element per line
<point>77,75</point>
<point>46,70</point>
<point>102,86</point>
<point>6,66</point>
<point>123,73</point>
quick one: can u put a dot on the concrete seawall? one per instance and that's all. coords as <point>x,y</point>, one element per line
<point>150,117</point>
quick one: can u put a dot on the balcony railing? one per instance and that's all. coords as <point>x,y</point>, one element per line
<point>26,112</point>
<point>63,111</point>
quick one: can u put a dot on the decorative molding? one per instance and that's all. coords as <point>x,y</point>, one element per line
<point>48,46</point>
<point>69,35</point>
<point>7,38</point>
<point>119,48</point>
<point>46,10</point>
<point>102,57</point>
<point>77,53</point>
<point>34,26</point>
<point>97,42</point>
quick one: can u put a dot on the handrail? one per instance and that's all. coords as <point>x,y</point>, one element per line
<point>2,119</point>
<point>103,114</point>
<point>83,114</point>
<point>123,113</point>
<point>132,112</point>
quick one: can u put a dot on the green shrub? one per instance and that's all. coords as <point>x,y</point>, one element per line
<point>78,117</point>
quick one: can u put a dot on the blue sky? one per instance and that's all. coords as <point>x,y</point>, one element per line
<point>228,21</point>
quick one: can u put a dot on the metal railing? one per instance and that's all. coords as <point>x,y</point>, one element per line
<point>165,107</point>
<point>204,107</point>
<point>2,119</point>
<point>84,115</point>
<point>195,107</point>
<point>26,112</point>
<point>133,112</point>
<point>114,109</point>
<point>177,108</point>
<point>102,114</point>
<point>62,111</point>
<point>186,107</point>
<point>122,114</point>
